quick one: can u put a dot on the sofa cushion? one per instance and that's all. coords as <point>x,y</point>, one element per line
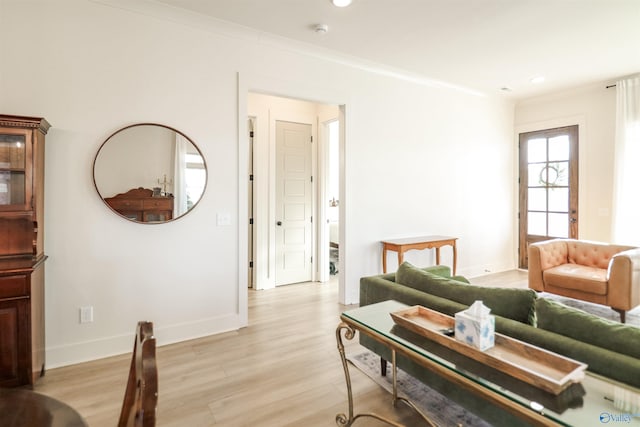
<point>516,304</point>
<point>579,277</point>
<point>582,326</point>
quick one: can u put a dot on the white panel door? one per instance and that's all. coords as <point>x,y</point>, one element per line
<point>293,203</point>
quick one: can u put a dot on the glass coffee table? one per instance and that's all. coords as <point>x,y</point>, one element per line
<point>594,401</point>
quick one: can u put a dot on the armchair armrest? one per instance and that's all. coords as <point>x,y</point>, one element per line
<point>542,256</point>
<point>624,280</point>
<point>534,269</point>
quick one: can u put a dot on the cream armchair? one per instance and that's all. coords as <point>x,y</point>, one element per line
<point>590,271</point>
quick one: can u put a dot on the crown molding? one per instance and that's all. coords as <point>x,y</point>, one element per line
<point>228,29</point>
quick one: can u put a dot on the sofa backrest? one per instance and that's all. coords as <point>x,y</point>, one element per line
<point>582,252</point>
<point>592,254</point>
<point>571,322</point>
<point>512,303</point>
<point>552,253</point>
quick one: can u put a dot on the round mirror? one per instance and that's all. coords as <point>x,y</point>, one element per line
<point>149,173</point>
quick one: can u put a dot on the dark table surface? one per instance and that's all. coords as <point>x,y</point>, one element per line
<point>26,408</point>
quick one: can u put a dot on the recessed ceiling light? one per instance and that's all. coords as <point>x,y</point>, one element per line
<point>506,89</point>
<point>341,3</point>
<point>537,80</point>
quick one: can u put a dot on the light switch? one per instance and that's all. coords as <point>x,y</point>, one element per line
<point>223,218</point>
<point>86,314</point>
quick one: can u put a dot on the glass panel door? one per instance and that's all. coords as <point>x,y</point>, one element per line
<point>548,186</point>
<point>12,169</point>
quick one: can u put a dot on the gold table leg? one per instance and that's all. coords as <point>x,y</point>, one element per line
<point>348,419</point>
<point>407,402</point>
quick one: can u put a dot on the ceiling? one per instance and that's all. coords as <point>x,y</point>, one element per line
<point>482,45</point>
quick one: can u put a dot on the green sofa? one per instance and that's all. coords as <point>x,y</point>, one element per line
<point>608,348</point>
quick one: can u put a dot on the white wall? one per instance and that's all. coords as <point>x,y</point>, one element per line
<point>593,109</point>
<point>417,159</point>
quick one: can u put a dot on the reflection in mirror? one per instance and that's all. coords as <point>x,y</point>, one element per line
<point>149,173</point>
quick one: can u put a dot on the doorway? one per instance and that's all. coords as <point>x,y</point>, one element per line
<point>289,213</point>
<point>333,194</point>
<point>548,193</point>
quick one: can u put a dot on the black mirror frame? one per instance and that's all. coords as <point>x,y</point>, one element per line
<point>95,159</point>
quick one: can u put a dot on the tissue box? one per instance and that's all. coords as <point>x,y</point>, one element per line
<point>479,333</point>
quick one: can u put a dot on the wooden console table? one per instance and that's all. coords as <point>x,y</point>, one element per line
<point>425,242</point>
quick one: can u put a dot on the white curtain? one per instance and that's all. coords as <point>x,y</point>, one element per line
<point>626,197</point>
<point>179,180</point>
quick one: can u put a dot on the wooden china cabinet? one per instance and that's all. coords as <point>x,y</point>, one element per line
<point>22,257</point>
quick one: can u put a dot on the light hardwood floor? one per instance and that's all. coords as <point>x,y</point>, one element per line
<point>282,370</point>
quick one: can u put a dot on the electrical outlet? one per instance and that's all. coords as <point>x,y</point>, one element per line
<point>86,314</point>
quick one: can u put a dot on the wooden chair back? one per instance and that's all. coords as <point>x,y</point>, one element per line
<point>141,394</point>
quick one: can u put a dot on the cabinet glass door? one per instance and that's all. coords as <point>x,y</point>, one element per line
<point>12,169</point>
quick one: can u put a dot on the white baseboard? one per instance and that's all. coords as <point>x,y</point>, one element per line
<point>71,354</point>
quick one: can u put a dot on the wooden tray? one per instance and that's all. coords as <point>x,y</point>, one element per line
<point>533,365</point>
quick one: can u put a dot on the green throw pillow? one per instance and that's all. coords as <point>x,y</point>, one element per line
<point>516,304</point>
<point>460,279</point>
<point>582,326</point>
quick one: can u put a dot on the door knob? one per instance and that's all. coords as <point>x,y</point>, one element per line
<point>279,223</point>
